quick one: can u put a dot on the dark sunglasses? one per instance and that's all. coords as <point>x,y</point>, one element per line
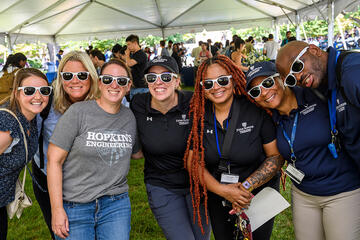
<point>165,77</point>
<point>267,83</point>
<point>68,76</point>
<point>29,91</point>
<point>296,67</point>
<point>120,80</point>
<point>222,81</point>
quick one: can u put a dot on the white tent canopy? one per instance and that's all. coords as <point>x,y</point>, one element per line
<point>64,20</point>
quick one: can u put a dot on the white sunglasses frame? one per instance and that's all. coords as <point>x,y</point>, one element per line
<point>216,80</point>
<point>260,84</point>
<point>291,71</point>
<point>36,89</point>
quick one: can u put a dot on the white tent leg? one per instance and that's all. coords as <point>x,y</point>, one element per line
<point>297,21</point>
<point>342,34</point>
<point>331,18</point>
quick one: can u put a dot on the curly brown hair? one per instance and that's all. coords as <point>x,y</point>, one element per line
<point>195,141</point>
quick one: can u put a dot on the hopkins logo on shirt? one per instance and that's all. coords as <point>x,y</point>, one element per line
<point>308,109</point>
<point>245,128</point>
<point>149,119</point>
<point>111,145</point>
<point>183,120</point>
<point>340,106</point>
<point>209,131</point>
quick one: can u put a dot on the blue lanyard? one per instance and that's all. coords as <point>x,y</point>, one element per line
<point>332,105</point>
<point>216,135</point>
<point>291,141</point>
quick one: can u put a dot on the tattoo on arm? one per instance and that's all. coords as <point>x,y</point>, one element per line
<point>266,171</point>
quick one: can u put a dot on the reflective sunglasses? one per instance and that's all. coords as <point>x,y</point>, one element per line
<point>267,83</point>
<point>68,76</point>
<point>222,81</point>
<point>120,80</point>
<point>29,91</point>
<point>296,67</point>
<point>165,77</point>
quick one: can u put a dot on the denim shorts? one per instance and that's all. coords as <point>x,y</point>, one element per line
<point>107,217</point>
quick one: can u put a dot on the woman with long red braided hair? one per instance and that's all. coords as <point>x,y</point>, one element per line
<point>220,102</point>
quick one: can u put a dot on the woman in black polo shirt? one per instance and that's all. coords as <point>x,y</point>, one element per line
<point>253,158</point>
<point>163,128</point>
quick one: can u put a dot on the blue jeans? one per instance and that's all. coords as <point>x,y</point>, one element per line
<point>174,214</point>
<point>107,217</point>
<point>134,91</point>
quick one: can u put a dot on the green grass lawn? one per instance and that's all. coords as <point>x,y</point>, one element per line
<point>143,224</point>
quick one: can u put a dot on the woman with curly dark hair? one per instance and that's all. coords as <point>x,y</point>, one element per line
<point>220,103</point>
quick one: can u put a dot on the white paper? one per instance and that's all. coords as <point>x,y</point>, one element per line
<point>264,206</point>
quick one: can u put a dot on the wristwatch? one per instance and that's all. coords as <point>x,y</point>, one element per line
<point>247,186</point>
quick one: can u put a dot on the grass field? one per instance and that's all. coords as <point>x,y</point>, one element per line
<point>31,225</point>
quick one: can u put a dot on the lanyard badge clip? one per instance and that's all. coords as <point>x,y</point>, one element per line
<point>335,145</point>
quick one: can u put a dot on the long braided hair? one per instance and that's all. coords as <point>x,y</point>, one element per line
<point>198,188</point>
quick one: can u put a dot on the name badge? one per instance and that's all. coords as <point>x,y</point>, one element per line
<point>294,173</point>
<point>229,178</point>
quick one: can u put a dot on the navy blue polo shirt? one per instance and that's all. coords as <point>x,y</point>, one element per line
<point>163,138</point>
<point>324,175</point>
<point>254,128</point>
<point>347,115</point>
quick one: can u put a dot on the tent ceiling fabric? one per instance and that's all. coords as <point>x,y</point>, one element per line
<point>64,20</point>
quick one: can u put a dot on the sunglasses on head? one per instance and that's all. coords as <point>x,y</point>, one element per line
<point>68,76</point>
<point>296,67</point>
<point>29,91</point>
<point>120,80</point>
<point>267,83</point>
<point>165,77</point>
<point>222,81</point>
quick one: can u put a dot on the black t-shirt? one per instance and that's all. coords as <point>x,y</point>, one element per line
<point>254,128</point>
<point>163,138</point>
<point>137,71</point>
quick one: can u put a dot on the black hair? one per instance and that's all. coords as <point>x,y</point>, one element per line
<point>238,43</point>
<point>271,36</point>
<point>162,43</point>
<point>132,38</point>
<point>116,48</point>
<point>97,53</point>
<point>16,58</point>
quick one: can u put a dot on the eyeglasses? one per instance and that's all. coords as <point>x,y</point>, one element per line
<point>29,91</point>
<point>120,80</point>
<point>68,76</point>
<point>267,83</point>
<point>296,67</point>
<point>165,77</point>
<point>221,81</point>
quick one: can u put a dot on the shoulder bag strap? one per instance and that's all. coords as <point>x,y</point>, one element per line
<point>25,143</point>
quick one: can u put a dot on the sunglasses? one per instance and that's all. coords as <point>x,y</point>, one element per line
<point>108,79</point>
<point>222,81</point>
<point>68,76</point>
<point>296,67</point>
<point>29,91</point>
<point>267,83</point>
<point>165,77</point>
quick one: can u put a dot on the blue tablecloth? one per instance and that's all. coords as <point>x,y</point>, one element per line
<point>51,76</point>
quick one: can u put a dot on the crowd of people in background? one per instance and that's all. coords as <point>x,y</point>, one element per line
<point>81,137</point>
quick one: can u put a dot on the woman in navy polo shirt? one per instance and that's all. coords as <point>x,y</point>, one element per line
<point>163,127</point>
<point>253,158</point>
<point>325,190</point>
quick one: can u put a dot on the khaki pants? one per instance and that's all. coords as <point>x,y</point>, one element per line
<point>331,217</point>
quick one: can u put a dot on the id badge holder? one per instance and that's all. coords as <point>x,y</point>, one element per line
<point>228,178</point>
<point>295,174</point>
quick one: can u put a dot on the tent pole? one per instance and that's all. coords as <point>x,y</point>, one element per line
<point>297,22</point>
<point>8,43</point>
<point>331,17</point>
<point>163,33</point>
<point>304,32</point>
<point>342,34</point>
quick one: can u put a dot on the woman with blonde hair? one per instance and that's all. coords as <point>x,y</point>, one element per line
<point>76,81</point>
<point>29,97</point>
<point>89,159</point>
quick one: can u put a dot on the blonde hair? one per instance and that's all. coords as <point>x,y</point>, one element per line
<point>61,98</point>
<point>20,76</point>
